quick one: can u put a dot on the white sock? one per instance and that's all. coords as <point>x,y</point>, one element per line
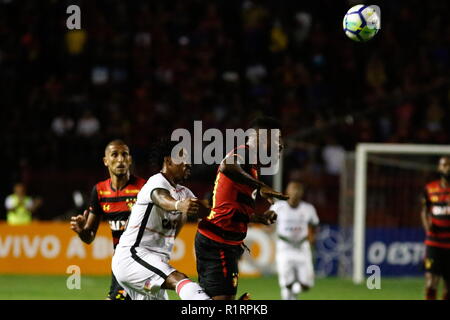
<point>189,290</point>
<point>287,294</point>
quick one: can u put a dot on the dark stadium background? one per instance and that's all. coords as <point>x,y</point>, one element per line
<point>145,68</point>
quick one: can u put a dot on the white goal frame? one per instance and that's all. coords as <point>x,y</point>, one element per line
<point>359,213</point>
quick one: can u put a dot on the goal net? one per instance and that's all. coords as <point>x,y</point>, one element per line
<point>380,203</point>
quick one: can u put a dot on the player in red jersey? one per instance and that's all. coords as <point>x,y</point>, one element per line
<point>436,221</point>
<point>219,239</point>
<point>112,200</point>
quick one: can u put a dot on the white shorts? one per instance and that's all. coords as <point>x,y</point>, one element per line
<point>142,274</point>
<point>295,266</point>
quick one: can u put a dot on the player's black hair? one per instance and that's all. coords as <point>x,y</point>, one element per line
<point>264,122</point>
<point>161,149</point>
<point>115,142</point>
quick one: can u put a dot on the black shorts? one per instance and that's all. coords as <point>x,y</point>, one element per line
<point>217,266</point>
<point>116,292</point>
<point>437,261</point>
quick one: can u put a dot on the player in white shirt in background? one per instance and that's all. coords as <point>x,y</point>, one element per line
<point>295,228</point>
<point>141,260</point>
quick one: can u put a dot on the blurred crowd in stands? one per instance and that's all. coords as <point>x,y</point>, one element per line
<point>139,69</point>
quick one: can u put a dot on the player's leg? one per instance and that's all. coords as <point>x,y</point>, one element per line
<point>446,274</point>
<point>184,287</point>
<point>432,273</point>
<point>217,267</point>
<point>446,290</point>
<point>116,292</point>
<point>141,273</point>
<point>306,270</point>
<point>286,275</point>
<point>431,285</point>
<point>126,271</point>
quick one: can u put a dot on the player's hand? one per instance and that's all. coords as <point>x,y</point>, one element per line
<point>189,206</point>
<point>78,222</point>
<point>267,218</point>
<point>268,193</point>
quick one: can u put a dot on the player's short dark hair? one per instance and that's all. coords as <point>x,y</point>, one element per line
<point>118,142</point>
<point>264,122</point>
<point>161,149</point>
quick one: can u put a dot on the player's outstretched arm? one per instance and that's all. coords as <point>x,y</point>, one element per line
<point>233,170</point>
<point>85,225</point>
<point>268,193</point>
<point>269,217</point>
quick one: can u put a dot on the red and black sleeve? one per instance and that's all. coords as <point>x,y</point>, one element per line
<point>94,205</point>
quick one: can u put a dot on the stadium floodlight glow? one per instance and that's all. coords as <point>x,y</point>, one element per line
<point>359,222</point>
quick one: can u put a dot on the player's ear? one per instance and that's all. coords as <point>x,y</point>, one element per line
<point>167,161</point>
<point>105,161</point>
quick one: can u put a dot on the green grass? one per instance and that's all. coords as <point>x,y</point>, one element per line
<point>20,287</point>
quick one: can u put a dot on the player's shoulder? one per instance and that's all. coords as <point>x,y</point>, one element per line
<point>307,205</point>
<point>241,152</point>
<point>185,190</point>
<point>158,181</point>
<point>433,186</point>
<point>280,204</point>
<point>103,185</point>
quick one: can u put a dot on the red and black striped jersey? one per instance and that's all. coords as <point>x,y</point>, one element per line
<point>233,204</point>
<point>437,201</point>
<point>115,205</point>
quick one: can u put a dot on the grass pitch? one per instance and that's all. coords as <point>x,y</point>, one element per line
<point>21,287</point>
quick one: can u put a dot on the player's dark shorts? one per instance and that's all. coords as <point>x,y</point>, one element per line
<point>437,261</point>
<point>116,292</point>
<point>217,266</point>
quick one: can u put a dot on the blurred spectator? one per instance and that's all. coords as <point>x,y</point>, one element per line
<point>333,156</point>
<point>88,125</point>
<point>303,22</point>
<point>20,207</point>
<point>62,125</point>
<point>434,116</point>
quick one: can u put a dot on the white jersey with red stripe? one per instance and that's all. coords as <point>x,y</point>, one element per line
<point>149,226</point>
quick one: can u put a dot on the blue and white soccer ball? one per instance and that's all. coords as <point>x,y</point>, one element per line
<point>362,22</point>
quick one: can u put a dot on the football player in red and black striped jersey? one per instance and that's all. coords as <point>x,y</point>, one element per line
<point>112,200</point>
<point>436,221</point>
<point>219,240</point>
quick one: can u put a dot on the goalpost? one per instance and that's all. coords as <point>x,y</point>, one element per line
<point>363,153</point>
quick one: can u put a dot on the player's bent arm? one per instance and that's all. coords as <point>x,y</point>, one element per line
<point>163,199</point>
<point>93,221</point>
<point>312,233</point>
<point>86,226</point>
<point>425,218</point>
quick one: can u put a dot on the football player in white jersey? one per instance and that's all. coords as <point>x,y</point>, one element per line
<point>295,230</point>
<point>141,260</point>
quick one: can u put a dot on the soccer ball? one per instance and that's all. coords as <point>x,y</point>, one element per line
<point>361,23</point>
